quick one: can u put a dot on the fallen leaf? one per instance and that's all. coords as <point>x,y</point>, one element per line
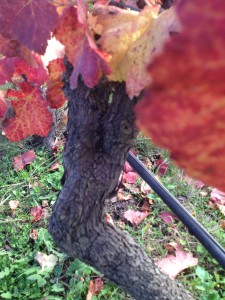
<point>162,167</point>
<point>217,196</point>
<point>196,183</point>
<point>13,204</point>
<point>222,223</point>
<point>172,265</point>
<point>95,286</point>
<point>130,177</point>
<point>54,166</point>
<point>173,247</point>
<point>109,219</point>
<point>168,217</point>
<point>145,205</point>
<point>127,167</point>
<point>44,203</point>
<point>145,188</point>
<point>135,217</point>
<point>24,159</point>
<point>37,213</point>
<point>131,188</point>
<point>44,260</point>
<point>34,234</point>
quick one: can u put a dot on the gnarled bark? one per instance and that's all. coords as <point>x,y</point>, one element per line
<point>100,133</point>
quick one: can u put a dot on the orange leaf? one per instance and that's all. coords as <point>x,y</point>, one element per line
<point>184,109</point>
<point>54,93</point>
<point>31,114</point>
<point>95,286</point>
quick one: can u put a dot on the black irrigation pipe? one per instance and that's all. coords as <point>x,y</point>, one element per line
<point>193,225</point>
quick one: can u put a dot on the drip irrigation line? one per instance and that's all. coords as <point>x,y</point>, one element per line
<point>194,227</point>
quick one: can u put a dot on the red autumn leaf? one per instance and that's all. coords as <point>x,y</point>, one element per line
<point>127,167</point>
<point>167,217</point>
<point>12,48</point>
<point>30,22</point>
<point>54,93</point>
<point>31,114</point>
<point>162,167</point>
<point>130,177</point>
<point>184,109</point>
<point>95,286</point>
<point>37,213</point>
<point>6,69</point>
<point>172,265</point>
<point>80,49</point>
<point>135,217</point>
<point>36,75</point>
<point>24,159</point>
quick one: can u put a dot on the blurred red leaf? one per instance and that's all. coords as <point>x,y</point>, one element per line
<point>37,213</point>
<point>162,167</point>
<point>172,265</point>
<point>178,94</point>
<point>41,18</point>
<point>127,167</point>
<point>6,69</point>
<point>95,286</point>
<point>24,159</point>
<point>135,217</point>
<point>31,113</point>
<point>37,75</point>
<point>167,217</point>
<point>130,177</point>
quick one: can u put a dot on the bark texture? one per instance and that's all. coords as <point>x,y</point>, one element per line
<point>100,133</point>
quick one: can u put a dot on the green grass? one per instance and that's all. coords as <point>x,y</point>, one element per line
<point>21,276</point>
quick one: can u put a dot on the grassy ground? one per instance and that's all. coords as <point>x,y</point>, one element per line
<point>21,276</point>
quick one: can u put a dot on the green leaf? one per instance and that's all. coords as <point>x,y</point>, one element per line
<point>34,277</point>
<point>6,295</point>
<point>202,274</point>
<point>41,282</point>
